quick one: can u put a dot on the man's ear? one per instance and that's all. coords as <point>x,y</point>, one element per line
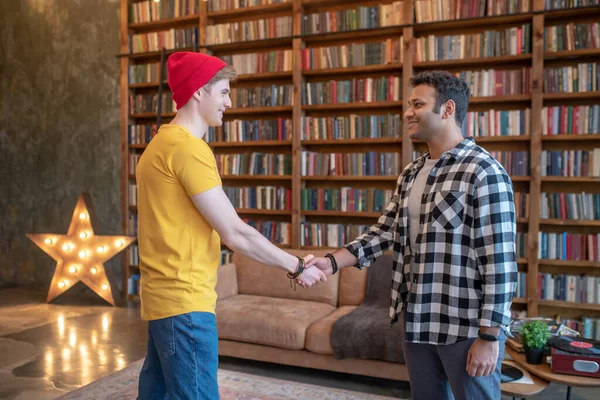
<point>449,108</point>
<point>198,94</point>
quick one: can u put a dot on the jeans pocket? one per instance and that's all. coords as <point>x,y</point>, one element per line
<point>164,337</point>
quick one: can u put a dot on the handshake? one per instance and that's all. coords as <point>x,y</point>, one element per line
<point>315,269</point>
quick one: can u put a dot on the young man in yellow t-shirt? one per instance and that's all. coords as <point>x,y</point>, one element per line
<point>183,214</point>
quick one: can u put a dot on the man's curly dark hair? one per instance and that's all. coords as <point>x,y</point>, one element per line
<point>447,87</point>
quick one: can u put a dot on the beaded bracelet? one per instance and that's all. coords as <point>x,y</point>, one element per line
<point>296,274</point>
<point>333,263</point>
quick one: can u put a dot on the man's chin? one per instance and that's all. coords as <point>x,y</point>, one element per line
<point>414,135</point>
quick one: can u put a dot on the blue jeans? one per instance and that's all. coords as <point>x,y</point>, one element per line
<point>182,358</point>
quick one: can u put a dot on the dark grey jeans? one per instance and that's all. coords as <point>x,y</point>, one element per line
<point>439,372</point>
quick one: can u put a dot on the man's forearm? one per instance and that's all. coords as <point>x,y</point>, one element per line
<point>492,330</point>
<point>251,243</point>
<point>344,258</point>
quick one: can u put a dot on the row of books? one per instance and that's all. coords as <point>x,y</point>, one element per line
<point>141,133</point>
<point>424,10</point>
<point>493,82</point>
<point>516,163</point>
<point>276,232</point>
<point>572,37</point>
<point>568,246</point>
<point>570,163</point>
<point>254,164</point>
<point>351,126</point>
<point>571,120</point>
<point>262,96</point>
<point>573,206</point>
<point>587,327</point>
<point>564,4</point>
<point>445,10</point>
<point>148,103</point>
<point>260,63</point>
<point>436,10</point>
<point>345,199</point>
<point>329,235</point>
<point>337,235</point>
<point>351,19</point>
<point>246,130</point>
<point>224,5</point>
<point>570,288</point>
<point>145,73</point>
<point>510,41</point>
<point>260,197</point>
<point>493,43</point>
<point>583,77</point>
<point>242,31</point>
<point>350,164</point>
<point>492,123</point>
<point>358,90</point>
<point>334,164</point>
<point>388,51</point>
<point>169,39</point>
<point>151,10</point>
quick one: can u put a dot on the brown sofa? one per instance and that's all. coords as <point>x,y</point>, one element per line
<point>261,318</point>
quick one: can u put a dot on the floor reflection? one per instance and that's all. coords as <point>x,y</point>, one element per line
<point>81,349</point>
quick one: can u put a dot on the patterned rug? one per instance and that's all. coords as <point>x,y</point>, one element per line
<point>232,386</point>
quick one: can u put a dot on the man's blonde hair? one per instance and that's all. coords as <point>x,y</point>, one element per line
<point>227,72</point>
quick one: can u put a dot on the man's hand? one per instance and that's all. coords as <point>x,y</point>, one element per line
<point>310,276</point>
<point>322,263</point>
<point>482,357</point>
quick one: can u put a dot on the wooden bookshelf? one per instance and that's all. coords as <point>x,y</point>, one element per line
<point>534,142</point>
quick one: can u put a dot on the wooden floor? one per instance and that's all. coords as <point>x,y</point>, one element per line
<point>50,349</point>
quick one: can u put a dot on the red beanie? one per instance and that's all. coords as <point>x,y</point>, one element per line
<point>188,72</point>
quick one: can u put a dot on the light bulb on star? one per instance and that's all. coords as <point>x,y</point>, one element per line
<point>75,256</point>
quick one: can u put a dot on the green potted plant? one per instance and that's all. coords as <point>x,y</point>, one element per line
<point>535,335</point>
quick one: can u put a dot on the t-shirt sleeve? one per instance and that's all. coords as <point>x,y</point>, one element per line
<point>195,166</point>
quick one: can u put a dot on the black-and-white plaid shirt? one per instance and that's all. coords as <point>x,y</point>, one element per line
<point>465,256</point>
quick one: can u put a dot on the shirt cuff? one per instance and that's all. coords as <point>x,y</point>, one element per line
<point>491,317</point>
<point>357,250</point>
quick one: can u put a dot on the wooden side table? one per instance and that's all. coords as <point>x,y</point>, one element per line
<point>523,390</point>
<point>545,372</point>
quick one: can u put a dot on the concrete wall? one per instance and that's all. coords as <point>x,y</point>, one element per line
<point>59,127</point>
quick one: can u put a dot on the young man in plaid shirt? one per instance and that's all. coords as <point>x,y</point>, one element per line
<point>452,227</point>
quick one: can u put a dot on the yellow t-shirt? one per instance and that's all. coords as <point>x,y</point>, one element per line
<point>179,249</point>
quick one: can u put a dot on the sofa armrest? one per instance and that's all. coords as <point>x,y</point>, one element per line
<point>227,284</point>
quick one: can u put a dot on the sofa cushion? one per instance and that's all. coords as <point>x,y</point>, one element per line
<point>267,320</point>
<point>353,283</point>
<point>226,281</point>
<point>258,279</point>
<point>318,335</point>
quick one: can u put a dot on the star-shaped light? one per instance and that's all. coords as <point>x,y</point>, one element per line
<point>80,254</point>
